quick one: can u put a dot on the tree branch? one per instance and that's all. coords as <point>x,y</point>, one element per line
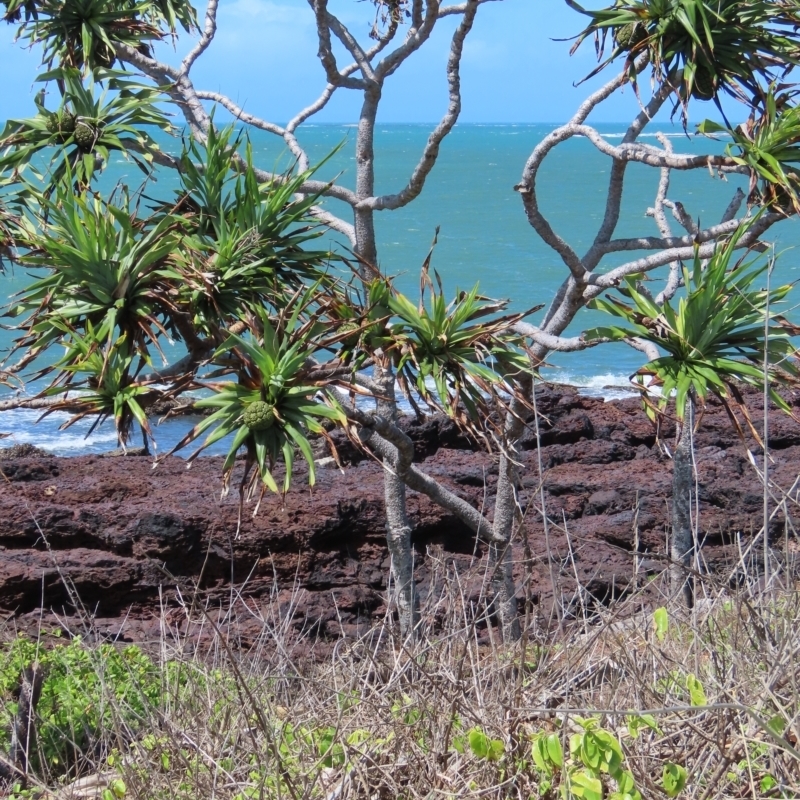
<point>159,156</point>
<point>179,87</point>
<point>257,122</point>
<point>558,343</point>
<point>391,444</point>
<point>460,9</point>
<point>527,186</point>
<point>29,402</point>
<point>660,216</point>
<point>342,33</point>
<point>241,114</point>
<point>184,366</point>
<point>206,38</point>
<point>653,157</point>
<point>325,52</point>
<point>596,283</point>
<point>328,91</point>
<point>431,151</point>
<point>617,179</point>
<point>683,219</point>
<point>671,242</point>
<point>188,100</point>
<point>416,37</point>
<point>733,207</point>
<point>643,346</point>
<point>416,13</point>
<point>315,107</point>
<point>157,70</point>
<point>335,223</point>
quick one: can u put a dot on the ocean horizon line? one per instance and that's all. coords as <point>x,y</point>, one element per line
<point>496,124</point>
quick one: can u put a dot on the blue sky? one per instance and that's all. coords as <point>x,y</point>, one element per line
<point>264,57</point>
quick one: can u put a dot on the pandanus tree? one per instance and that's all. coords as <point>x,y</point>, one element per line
<point>683,55</point>
<point>278,334</point>
<point>282,334</point>
<point>745,50</point>
<point>233,245</point>
<point>726,332</point>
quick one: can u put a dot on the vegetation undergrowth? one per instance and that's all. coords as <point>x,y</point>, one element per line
<point>642,703</point>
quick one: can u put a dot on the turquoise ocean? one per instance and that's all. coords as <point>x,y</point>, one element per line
<point>484,234</point>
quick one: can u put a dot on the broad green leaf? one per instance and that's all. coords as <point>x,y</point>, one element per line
<point>696,692</point>
<point>661,623</point>
<point>673,779</point>
<point>585,785</point>
<point>554,750</point>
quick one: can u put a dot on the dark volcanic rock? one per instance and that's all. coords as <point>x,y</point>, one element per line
<point>21,451</point>
<point>118,536</point>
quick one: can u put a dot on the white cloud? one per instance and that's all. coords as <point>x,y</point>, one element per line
<point>263,28</point>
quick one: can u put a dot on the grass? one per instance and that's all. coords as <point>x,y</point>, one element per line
<point>633,703</point>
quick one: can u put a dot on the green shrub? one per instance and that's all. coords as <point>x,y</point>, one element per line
<point>87,691</point>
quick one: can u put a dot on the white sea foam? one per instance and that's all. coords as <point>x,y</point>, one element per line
<point>22,428</point>
<point>647,135</point>
<point>66,443</point>
<point>608,386</point>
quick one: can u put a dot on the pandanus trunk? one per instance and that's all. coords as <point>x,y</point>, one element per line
<point>501,560</point>
<point>398,528</point>
<point>504,591</point>
<point>683,544</point>
<point>398,538</point>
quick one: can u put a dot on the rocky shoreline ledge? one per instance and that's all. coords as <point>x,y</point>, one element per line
<point>123,535</point>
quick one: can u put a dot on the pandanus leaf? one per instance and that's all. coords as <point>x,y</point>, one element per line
<point>271,362</point>
<point>701,47</point>
<point>715,338</point>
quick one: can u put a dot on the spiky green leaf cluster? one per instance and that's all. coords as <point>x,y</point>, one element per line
<point>706,46</point>
<point>109,278</point>
<point>272,364</point>
<point>726,330</point>
<point>10,232</point>
<point>246,240</point>
<point>111,113</point>
<point>111,389</point>
<point>105,272</point>
<point>769,146</point>
<point>85,33</point>
<point>456,355</point>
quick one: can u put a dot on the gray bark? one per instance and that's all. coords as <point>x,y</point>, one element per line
<point>505,515</point>
<point>398,527</point>
<point>583,282</point>
<point>504,591</point>
<point>682,544</point>
<point>366,246</point>
<point>387,440</point>
<point>23,728</point>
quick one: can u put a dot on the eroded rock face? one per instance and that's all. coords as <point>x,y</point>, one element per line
<point>120,536</point>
